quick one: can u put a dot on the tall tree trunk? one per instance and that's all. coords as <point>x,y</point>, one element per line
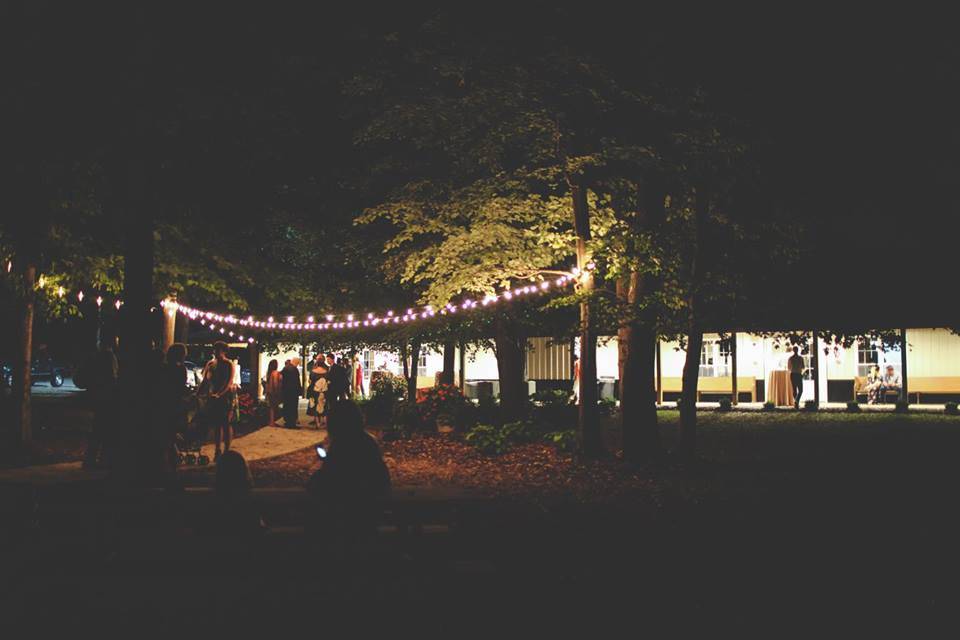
<point>638,331</point>
<point>143,456</point>
<point>449,362</point>
<point>510,352</point>
<point>638,401</point>
<point>414,366</point>
<point>691,366</point>
<point>22,378</point>
<point>688,395</point>
<point>591,440</point>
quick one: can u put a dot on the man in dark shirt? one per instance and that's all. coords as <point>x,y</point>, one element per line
<point>337,381</point>
<point>291,389</point>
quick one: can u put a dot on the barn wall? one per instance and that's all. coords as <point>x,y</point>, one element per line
<point>932,352</point>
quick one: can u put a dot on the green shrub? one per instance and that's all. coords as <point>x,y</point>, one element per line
<point>725,404</point>
<point>384,383</point>
<point>608,407</point>
<point>488,439</point>
<point>902,406</point>
<point>552,410</point>
<point>378,410</point>
<point>810,405</point>
<point>769,406</point>
<point>551,396</point>
<point>406,416</point>
<point>443,399</point>
<point>853,407</point>
<point>488,411</point>
<point>951,409</point>
<point>520,432</point>
<point>565,440</point>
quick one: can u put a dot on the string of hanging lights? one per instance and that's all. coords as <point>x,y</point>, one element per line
<point>226,324</point>
<point>370,319</point>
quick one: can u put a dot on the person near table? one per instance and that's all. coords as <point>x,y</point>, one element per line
<point>890,382</point>
<point>795,367</point>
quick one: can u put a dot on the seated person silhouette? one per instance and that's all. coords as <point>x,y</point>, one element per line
<point>348,490</point>
<point>234,514</point>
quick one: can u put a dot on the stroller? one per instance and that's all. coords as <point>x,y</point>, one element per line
<point>190,440</point>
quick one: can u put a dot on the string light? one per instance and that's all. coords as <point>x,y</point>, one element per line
<point>373,319</point>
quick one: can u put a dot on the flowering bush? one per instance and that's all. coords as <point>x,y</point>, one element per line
<point>384,383</point>
<point>444,399</point>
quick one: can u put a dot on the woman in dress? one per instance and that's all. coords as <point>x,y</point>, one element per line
<point>273,390</point>
<point>317,391</point>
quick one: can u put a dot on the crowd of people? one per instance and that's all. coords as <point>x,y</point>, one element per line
<point>330,378</point>
<point>347,489</point>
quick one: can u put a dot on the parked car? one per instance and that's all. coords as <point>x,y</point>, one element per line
<point>194,374</point>
<point>42,370</point>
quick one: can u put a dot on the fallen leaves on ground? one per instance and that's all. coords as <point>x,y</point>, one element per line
<point>443,460</point>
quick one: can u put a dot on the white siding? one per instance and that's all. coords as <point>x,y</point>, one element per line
<point>548,359</point>
<point>932,352</point>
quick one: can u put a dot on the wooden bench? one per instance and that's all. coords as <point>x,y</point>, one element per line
<point>718,385</point>
<point>919,385</point>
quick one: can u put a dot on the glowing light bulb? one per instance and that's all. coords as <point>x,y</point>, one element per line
<point>80,296</point>
<point>118,304</point>
<point>9,266</point>
<point>289,319</point>
<point>41,281</point>
<point>310,319</point>
<point>329,318</point>
<point>270,319</point>
<point>350,318</point>
<point>99,300</point>
<point>60,292</point>
<point>389,314</point>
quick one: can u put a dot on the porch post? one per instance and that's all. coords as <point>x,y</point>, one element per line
<point>733,369</point>
<point>169,322</point>
<point>303,367</point>
<point>904,393</point>
<point>463,366</point>
<point>815,363</point>
<point>659,375</point>
<point>254,352</point>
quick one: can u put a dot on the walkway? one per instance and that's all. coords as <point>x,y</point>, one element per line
<point>263,443</point>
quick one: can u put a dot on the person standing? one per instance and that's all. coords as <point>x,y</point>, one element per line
<point>576,379</point>
<point>358,377</point>
<point>220,401</point>
<point>337,383</point>
<point>273,391</point>
<point>292,388</point>
<point>172,401</point>
<point>317,391</point>
<point>795,366</point>
<point>102,389</point>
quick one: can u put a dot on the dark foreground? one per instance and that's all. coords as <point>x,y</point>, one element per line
<point>832,528</point>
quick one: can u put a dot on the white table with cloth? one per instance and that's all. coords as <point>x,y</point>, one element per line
<point>779,391</point>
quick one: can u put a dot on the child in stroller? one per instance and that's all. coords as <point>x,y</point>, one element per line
<point>190,441</point>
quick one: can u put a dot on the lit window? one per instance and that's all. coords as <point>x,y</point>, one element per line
<point>715,358</point>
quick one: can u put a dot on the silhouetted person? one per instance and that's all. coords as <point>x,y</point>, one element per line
<point>349,488</point>
<point>292,389</point>
<point>795,367</point>
<point>171,400</point>
<point>338,380</point>
<point>234,513</point>
<point>102,387</point>
<point>220,397</point>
